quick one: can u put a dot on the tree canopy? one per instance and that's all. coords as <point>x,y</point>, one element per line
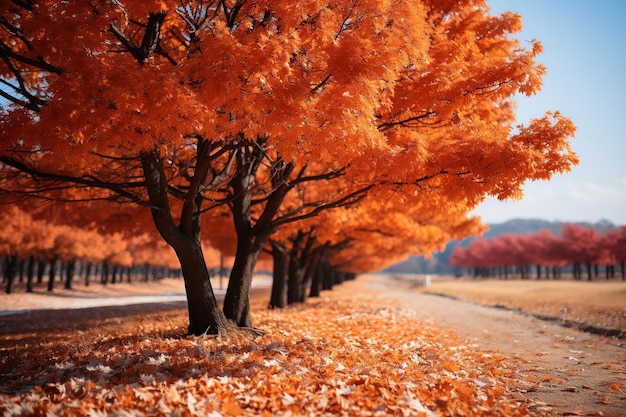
<point>171,110</point>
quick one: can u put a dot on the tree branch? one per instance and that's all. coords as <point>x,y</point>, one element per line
<point>86,181</point>
<point>347,200</point>
<point>149,42</point>
<point>320,85</point>
<point>409,120</point>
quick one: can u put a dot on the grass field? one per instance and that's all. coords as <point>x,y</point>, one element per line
<point>599,303</point>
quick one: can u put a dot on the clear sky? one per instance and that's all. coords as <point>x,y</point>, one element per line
<point>585,55</point>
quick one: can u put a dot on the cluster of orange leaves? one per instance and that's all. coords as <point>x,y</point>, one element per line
<point>343,354</point>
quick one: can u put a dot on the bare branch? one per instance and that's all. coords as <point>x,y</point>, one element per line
<point>409,121</point>
<point>320,85</point>
<point>76,182</point>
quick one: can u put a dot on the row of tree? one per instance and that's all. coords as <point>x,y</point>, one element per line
<point>32,271</point>
<point>581,248</point>
<point>32,248</point>
<point>343,133</point>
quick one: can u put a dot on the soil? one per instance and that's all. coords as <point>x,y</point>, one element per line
<point>561,370</point>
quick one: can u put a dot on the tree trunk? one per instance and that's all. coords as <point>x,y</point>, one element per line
<point>309,273</point>
<point>296,278</point>
<point>87,273</point>
<point>237,300</point>
<point>51,274</point>
<point>30,274</point>
<point>69,274</point>
<point>319,268</point>
<point>22,265</point>
<point>251,237</point>
<point>41,269</point>
<point>104,278</point>
<point>205,315</point>
<point>328,281</point>
<point>10,271</point>
<point>279,283</point>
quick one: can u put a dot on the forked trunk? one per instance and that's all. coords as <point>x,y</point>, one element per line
<point>204,313</point>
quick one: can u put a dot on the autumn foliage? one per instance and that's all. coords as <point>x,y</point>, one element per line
<point>578,247</point>
<point>358,355</point>
<point>213,118</point>
<point>31,248</point>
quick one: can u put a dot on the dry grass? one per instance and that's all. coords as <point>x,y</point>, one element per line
<point>599,303</point>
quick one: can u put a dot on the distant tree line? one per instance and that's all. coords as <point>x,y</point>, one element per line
<point>35,271</point>
<point>35,252</point>
<point>545,255</point>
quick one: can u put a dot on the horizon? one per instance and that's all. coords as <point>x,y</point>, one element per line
<point>598,223</point>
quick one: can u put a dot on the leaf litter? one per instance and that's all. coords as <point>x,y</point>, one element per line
<point>342,354</point>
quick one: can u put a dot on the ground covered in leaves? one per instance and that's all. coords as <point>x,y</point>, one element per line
<point>349,353</point>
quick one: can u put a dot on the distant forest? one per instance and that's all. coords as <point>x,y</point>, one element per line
<point>438,263</point>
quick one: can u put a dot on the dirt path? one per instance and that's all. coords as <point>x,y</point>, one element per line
<point>562,371</point>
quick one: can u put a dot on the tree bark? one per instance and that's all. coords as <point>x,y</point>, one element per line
<point>41,268</point>
<point>87,273</point>
<point>10,271</point>
<point>319,273</point>
<point>21,267</point>
<point>30,274</point>
<point>311,282</point>
<point>69,274</point>
<point>279,283</point>
<point>105,273</point>
<point>237,299</point>
<point>296,278</point>
<point>250,239</point>
<point>205,315</point>
<point>306,281</point>
<point>51,274</point>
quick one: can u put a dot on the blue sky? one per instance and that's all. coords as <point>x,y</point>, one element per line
<point>585,55</point>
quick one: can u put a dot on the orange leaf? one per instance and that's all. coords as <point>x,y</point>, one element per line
<point>230,406</point>
<point>616,387</point>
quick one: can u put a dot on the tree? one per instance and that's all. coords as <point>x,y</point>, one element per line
<point>178,107</point>
<point>582,246</point>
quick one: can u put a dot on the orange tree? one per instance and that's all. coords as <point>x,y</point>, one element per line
<point>163,104</point>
